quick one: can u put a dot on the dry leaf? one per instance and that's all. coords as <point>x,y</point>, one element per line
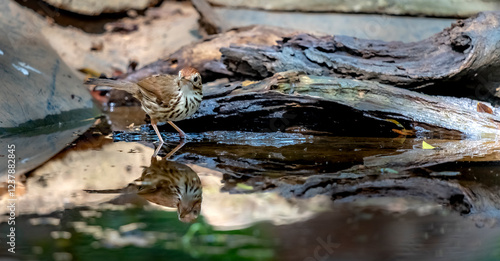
<point>481,107</point>
<point>404,132</point>
<point>395,122</point>
<point>427,146</point>
<point>247,82</point>
<point>91,72</point>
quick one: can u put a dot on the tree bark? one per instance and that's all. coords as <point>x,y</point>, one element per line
<point>464,55</point>
<point>338,106</point>
<point>467,53</point>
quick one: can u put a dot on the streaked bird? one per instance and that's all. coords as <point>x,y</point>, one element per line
<point>165,98</point>
<point>167,183</point>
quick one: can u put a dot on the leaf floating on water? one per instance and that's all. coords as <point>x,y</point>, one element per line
<point>244,186</point>
<point>481,107</point>
<point>427,146</point>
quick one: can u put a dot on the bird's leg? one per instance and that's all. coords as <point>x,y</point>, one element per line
<point>181,133</point>
<point>179,146</point>
<point>153,123</point>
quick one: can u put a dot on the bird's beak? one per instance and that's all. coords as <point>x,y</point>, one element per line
<point>187,217</point>
<point>184,80</point>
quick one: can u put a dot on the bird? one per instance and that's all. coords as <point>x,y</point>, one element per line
<point>167,183</point>
<point>164,97</point>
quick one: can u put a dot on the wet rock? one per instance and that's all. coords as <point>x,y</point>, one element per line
<point>40,94</point>
<point>34,148</point>
<point>36,83</point>
<point>96,7</point>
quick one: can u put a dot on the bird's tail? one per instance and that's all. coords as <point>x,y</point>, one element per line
<point>131,188</point>
<point>107,84</point>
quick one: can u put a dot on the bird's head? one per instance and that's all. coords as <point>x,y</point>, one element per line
<point>191,76</point>
<point>189,209</point>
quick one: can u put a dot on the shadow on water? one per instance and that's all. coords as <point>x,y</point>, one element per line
<point>266,196</point>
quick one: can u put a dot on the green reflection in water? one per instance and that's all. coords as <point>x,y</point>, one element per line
<point>136,234</point>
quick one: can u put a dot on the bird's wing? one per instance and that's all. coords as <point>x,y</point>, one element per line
<point>159,88</point>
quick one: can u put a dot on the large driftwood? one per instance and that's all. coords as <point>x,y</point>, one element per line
<point>466,54</point>
<point>339,106</point>
<point>447,8</point>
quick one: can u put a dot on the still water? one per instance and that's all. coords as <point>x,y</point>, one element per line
<point>256,196</point>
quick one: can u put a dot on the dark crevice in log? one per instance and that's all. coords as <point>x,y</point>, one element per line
<point>289,101</point>
<point>272,112</point>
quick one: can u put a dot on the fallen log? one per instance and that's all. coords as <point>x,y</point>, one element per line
<point>467,53</point>
<point>338,106</point>
<point>464,55</point>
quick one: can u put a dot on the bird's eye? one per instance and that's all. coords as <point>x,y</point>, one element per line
<point>195,212</point>
<point>196,78</point>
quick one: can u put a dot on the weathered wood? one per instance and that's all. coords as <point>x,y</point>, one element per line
<point>339,106</point>
<point>446,8</point>
<point>465,53</point>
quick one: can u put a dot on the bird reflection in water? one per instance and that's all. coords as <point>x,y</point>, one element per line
<point>167,183</point>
